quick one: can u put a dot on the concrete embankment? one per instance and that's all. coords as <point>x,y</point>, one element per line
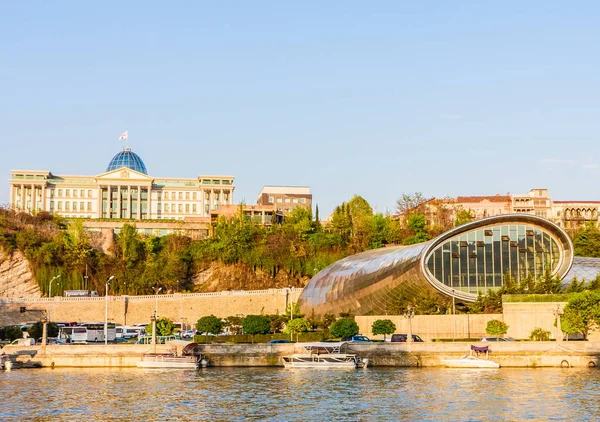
<point>508,354</point>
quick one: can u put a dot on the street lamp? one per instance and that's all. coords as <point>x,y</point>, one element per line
<point>557,313</point>
<point>106,310</point>
<point>453,316</point>
<point>50,294</point>
<point>410,313</point>
<point>156,290</point>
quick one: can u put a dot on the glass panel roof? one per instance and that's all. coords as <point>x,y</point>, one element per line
<point>127,158</point>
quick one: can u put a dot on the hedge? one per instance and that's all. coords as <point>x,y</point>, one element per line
<point>261,338</point>
<point>562,297</point>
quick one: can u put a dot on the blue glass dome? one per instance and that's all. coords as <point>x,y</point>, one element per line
<point>127,158</point>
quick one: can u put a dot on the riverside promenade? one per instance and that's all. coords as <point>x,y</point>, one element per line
<point>507,354</point>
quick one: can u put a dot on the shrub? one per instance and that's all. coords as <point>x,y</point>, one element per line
<point>383,326</point>
<point>256,324</point>
<point>539,334</point>
<point>36,331</point>
<point>344,327</point>
<point>11,333</point>
<point>297,325</point>
<point>164,327</point>
<point>496,327</point>
<point>209,324</point>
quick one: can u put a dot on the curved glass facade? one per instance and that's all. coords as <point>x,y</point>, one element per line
<point>460,263</point>
<point>477,260</point>
<point>127,158</point>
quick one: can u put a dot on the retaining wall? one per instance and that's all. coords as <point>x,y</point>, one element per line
<point>129,310</point>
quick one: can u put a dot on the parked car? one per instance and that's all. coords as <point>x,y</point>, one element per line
<point>50,341</point>
<point>279,341</point>
<point>496,338</point>
<point>357,339</point>
<point>187,333</point>
<point>401,338</point>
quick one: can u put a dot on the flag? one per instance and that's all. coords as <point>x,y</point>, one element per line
<point>123,136</point>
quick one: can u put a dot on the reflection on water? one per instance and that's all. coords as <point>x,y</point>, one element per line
<point>285,394</point>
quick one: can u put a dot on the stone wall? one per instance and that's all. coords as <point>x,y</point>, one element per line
<point>129,310</point>
<point>430,327</point>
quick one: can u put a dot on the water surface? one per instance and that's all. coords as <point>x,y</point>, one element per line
<point>300,394</point>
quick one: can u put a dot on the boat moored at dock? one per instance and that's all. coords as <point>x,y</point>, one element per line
<point>324,355</point>
<point>471,361</point>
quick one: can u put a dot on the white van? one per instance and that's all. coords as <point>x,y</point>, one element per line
<point>129,332</point>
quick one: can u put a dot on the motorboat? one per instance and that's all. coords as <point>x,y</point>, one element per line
<point>472,361</point>
<point>187,360</point>
<point>324,355</point>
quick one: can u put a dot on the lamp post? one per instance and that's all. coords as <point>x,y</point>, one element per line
<point>557,313</point>
<point>156,290</point>
<point>453,316</point>
<point>410,313</point>
<point>50,294</point>
<point>106,310</point>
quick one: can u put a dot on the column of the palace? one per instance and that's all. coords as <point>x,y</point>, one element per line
<point>139,202</point>
<point>44,198</point>
<point>11,196</point>
<point>202,202</point>
<point>23,196</point>
<point>149,203</point>
<point>128,215</point>
<point>99,210</point>
<point>32,198</point>
<point>119,201</point>
<point>109,201</point>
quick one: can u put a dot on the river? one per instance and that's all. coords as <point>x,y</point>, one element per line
<point>300,395</point>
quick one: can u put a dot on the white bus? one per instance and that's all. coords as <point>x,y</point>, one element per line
<point>94,332</point>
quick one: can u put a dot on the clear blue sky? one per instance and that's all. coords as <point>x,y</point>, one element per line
<point>369,98</point>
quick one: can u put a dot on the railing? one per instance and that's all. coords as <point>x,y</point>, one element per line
<point>173,296</point>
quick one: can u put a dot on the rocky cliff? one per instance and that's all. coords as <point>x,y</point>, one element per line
<point>218,277</point>
<point>16,277</point>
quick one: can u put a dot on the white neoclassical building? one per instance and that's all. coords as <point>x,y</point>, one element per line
<point>124,191</point>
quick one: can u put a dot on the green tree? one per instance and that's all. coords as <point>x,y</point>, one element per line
<point>539,334</point>
<point>234,325</point>
<point>164,327</point>
<point>416,223</point>
<point>587,241</point>
<point>344,327</point>
<point>328,319</point>
<point>292,310</point>
<point>209,324</point>
<point>383,326</point>
<point>575,286</point>
<point>297,325</point>
<point>37,329</point>
<point>496,327</point>
<point>464,216</point>
<point>256,324</point>
<point>11,333</point>
<point>582,313</point>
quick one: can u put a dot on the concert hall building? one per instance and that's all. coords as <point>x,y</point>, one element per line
<point>467,260</point>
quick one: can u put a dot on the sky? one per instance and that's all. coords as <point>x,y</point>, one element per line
<point>375,99</point>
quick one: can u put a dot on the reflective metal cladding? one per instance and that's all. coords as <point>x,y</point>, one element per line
<point>466,260</point>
